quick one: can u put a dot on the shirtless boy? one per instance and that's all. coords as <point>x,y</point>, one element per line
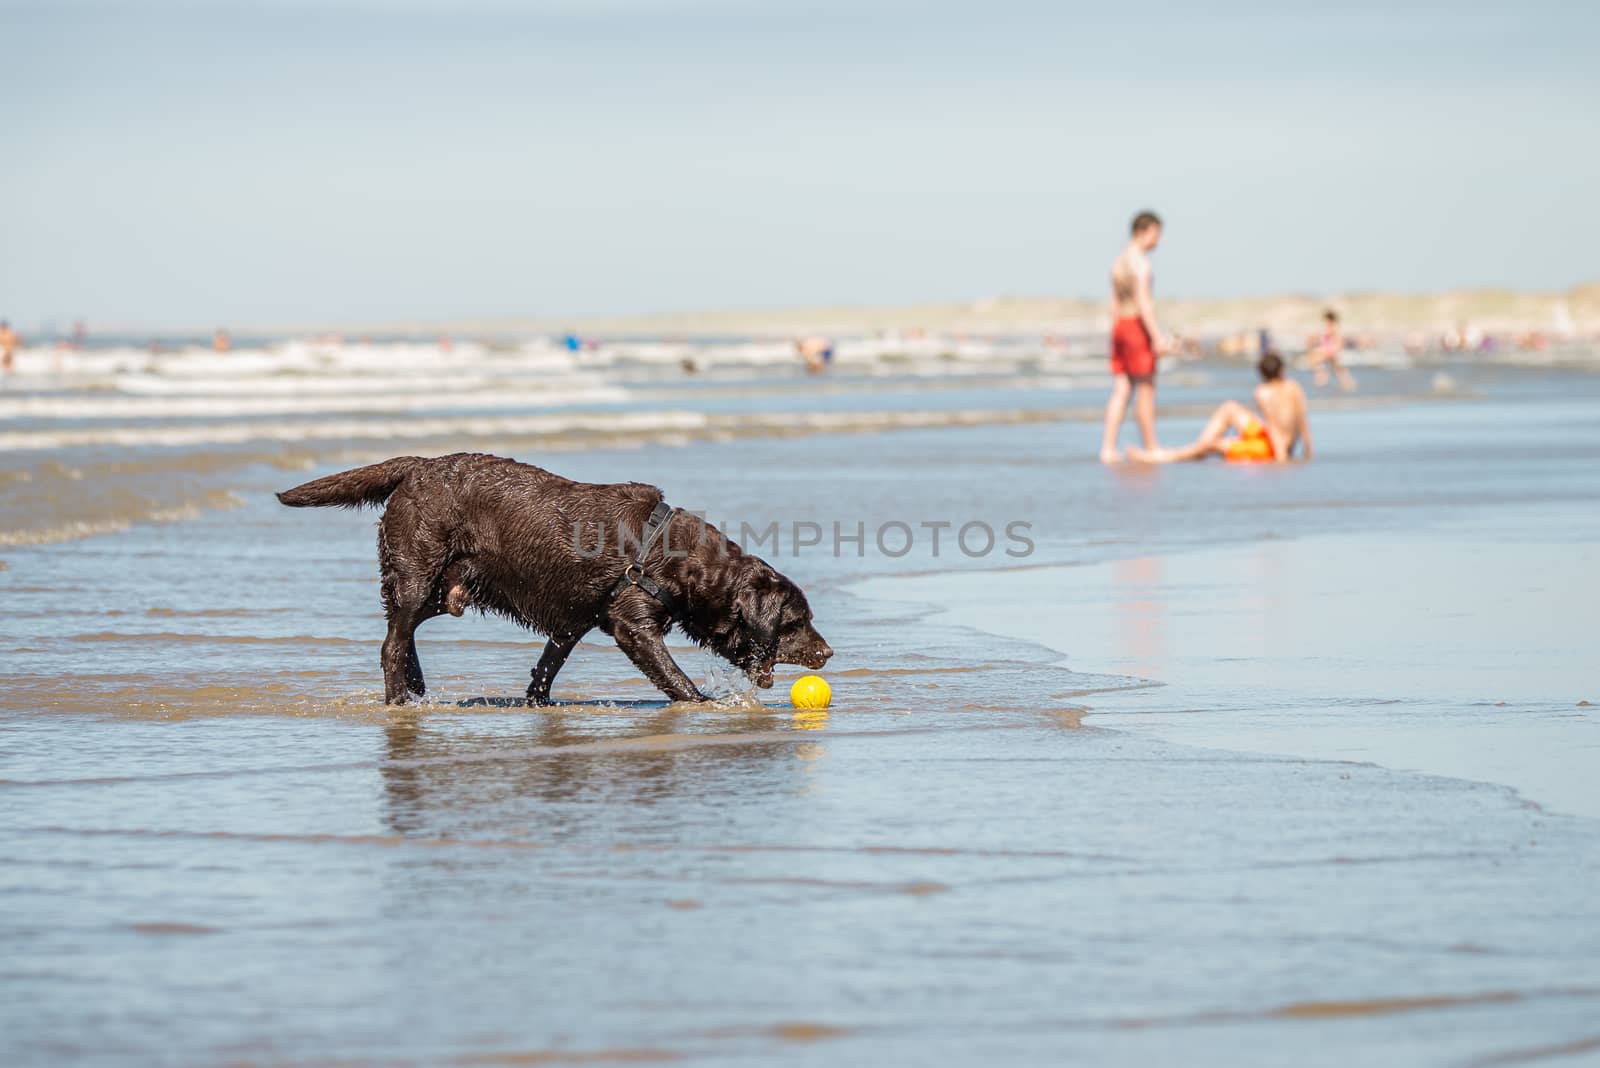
<point>1136,340</point>
<point>1269,437</point>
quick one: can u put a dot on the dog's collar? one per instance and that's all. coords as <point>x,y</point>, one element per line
<point>634,573</point>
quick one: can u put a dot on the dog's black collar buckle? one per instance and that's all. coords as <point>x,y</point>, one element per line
<point>634,574</point>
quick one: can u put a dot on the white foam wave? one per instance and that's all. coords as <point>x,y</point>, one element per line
<point>652,425</point>
<point>139,370</point>
<point>91,527</point>
<point>363,430</point>
<point>290,358</point>
<point>288,403</point>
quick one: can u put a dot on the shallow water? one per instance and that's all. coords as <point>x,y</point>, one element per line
<point>218,844</point>
<point>1460,650</point>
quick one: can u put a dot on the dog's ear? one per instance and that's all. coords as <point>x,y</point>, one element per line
<point>757,608</point>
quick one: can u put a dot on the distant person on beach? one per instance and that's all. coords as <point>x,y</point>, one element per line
<point>1268,437</point>
<point>8,345</point>
<point>1326,354</point>
<point>221,343</point>
<point>816,351</point>
<point>1136,340</point>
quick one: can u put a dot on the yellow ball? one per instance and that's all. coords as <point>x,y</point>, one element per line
<point>810,691</point>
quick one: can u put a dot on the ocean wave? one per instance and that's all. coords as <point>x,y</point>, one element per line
<point>119,517</point>
<point>578,426</point>
<point>134,369</point>
<point>420,398</point>
<point>302,367</point>
<point>342,380</point>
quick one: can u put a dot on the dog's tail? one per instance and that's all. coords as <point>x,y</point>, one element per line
<point>352,489</point>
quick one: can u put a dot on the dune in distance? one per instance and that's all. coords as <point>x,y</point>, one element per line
<point>1573,312</point>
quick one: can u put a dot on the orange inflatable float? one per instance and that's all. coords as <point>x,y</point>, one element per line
<point>1252,446</point>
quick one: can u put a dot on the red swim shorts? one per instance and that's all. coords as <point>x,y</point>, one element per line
<point>1131,353</point>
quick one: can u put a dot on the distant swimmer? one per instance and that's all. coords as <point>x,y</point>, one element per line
<point>221,343</point>
<point>1268,437</point>
<point>8,345</point>
<point>1326,354</point>
<point>1136,340</point>
<point>816,351</point>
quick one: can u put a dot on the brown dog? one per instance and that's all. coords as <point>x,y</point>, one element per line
<point>562,558</point>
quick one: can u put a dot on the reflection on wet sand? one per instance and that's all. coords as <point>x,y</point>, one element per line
<point>139,695</point>
<point>1528,1054</point>
<point>715,1042</point>
<point>789,1032</point>
<point>158,928</point>
<point>431,777</point>
<point>1140,607</point>
<point>811,719</point>
<point>514,1058</point>
<point>1335,1010</point>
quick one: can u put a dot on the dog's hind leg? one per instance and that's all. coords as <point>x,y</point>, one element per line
<point>414,680</point>
<point>450,595</point>
<point>555,654</point>
<point>400,656</point>
<point>411,559</point>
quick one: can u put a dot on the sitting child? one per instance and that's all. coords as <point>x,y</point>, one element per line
<point>1269,437</point>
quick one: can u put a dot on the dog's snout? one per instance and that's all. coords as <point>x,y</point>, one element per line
<point>825,651</point>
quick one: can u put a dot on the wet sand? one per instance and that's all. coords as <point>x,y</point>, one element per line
<point>1191,783</point>
<point>1460,650</point>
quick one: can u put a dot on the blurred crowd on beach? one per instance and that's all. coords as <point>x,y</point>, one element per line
<point>1462,338</point>
<point>50,350</point>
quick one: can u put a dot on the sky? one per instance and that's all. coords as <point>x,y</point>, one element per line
<point>220,162</point>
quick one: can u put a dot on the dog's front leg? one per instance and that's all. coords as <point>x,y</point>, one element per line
<point>555,654</point>
<point>645,646</point>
